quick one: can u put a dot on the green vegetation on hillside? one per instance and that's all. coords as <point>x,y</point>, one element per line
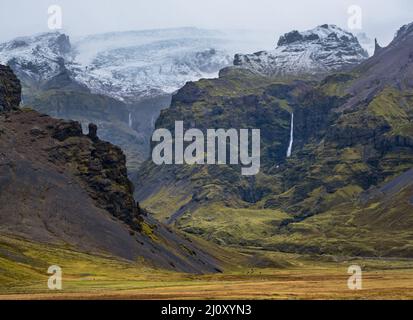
<point>309,202</point>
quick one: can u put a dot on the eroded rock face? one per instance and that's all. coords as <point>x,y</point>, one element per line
<point>10,89</point>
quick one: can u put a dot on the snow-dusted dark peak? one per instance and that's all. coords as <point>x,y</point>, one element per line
<point>56,42</point>
<point>37,58</point>
<point>325,32</point>
<point>318,51</point>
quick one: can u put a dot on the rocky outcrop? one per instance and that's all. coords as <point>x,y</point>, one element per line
<point>10,89</point>
<point>101,167</point>
<point>93,132</point>
<point>314,52</point>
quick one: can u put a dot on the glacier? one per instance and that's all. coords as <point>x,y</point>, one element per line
<point>134,65</point>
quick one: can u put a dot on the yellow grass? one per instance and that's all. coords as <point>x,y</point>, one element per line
<point>290,284</point>
<point>23,275</point>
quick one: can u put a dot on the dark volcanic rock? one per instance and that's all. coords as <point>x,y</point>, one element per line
<point>10,89</point>
<point>62,44</point>
<point>291,37</point>
<point>377,47</point>
<point>93,131</point>
<point>67,129</point>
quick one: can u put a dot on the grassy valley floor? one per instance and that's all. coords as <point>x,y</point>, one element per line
<point>23,275</point>
<point>271,284</point>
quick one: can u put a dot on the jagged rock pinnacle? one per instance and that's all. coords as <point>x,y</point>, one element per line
<point>377,47</point>
<point>93,129</point>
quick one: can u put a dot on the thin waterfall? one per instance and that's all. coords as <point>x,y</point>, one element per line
<point>290,147</point>
<point>130,120</point>
<point>153,121</point>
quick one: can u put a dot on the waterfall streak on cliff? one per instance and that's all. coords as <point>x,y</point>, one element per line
<point>130,120</point>
<point>290,147</point>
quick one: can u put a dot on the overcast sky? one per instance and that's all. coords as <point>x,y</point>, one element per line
<point>381,18</point>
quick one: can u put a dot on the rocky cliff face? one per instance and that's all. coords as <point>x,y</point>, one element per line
<point>318,51</point>
<point>101,167</point>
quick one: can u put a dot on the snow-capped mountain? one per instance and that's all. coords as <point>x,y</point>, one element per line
<point>38,58</point>
<point>318,51</point>
<point>147,63</point>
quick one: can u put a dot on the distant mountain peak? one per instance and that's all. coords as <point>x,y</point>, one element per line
<point>317,51</point>
<point>323,32</point>
<point>58,42</point>
<point>37,58</point>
